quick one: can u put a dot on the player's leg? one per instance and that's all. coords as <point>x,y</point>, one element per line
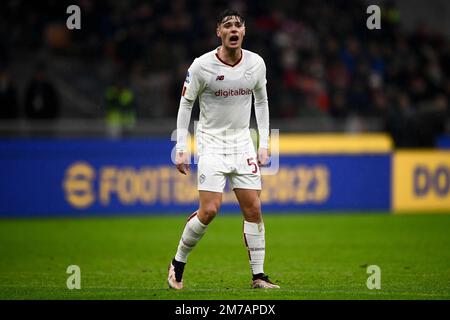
<point>193,231</point>
<point>253,228</point>
<point>197,223</point>
<point>254,235</point>
<point>246,183</point>
<point>211,184</point>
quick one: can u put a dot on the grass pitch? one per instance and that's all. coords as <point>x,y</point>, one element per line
<point>311,256</point>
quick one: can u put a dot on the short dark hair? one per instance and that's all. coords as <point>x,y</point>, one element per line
<point>229,13</point>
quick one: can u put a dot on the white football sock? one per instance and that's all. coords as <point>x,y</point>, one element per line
<point>193,232</point>
<point>254,237</point>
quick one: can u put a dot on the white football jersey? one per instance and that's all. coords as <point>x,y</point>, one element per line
<point>225,99</point>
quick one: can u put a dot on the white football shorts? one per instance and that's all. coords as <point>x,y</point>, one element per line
<point>241,169</point>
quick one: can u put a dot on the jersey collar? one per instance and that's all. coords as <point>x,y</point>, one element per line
<point>230,65</point>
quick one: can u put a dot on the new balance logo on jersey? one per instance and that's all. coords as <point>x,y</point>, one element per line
<point>220,78</point>
<point>232,92</point>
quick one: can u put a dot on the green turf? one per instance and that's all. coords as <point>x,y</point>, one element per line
<point>315,256</point>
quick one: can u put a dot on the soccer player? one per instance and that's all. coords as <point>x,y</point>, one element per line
<point>225,80</point>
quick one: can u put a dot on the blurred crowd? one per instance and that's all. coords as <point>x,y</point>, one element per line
<point>322,60</point>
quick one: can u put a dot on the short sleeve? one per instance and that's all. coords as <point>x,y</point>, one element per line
<point>193,83</point>
<point>261,80</point>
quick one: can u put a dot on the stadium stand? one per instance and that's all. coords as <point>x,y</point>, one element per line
<point>327,72</point>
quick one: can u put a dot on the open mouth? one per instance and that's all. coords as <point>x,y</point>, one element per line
<point>234,38</point>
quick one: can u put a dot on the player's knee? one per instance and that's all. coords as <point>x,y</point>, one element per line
<point>252,212</point>
<point>207,214</point>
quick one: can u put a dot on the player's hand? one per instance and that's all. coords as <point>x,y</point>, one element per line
<point>182,162</point>
<point>263,157</point>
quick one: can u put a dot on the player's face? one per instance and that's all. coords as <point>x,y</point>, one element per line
<point>232,32</point>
